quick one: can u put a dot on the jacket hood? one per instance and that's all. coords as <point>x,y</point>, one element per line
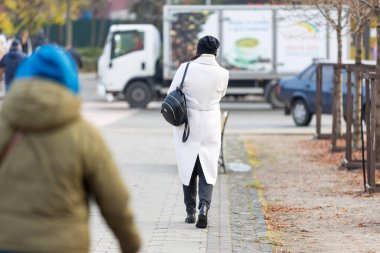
<point>36,104</point>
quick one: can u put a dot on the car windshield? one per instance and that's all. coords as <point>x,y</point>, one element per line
<point>308,73</point>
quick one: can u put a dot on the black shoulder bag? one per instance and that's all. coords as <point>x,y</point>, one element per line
<point>174,108</point>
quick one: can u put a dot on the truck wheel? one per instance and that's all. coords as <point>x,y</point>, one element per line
<point>273,98</point>
<point>300,113</point>
<point>138,94</point>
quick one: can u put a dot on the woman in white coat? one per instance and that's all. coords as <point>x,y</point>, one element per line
<point>204,86</point>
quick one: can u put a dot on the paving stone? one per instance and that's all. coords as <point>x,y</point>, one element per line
<point>236,222</point>
<point>157,195</point>
<point>247,219</point>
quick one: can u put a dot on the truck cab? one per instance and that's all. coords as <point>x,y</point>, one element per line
<point>128,66</point>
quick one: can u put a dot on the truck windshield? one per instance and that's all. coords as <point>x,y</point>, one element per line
<point>125,42</point>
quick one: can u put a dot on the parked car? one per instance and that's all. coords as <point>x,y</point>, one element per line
<point>299,93</point>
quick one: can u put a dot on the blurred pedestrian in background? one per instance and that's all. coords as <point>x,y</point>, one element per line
<point>3,44</point>
<point>54,161</point>
<point>39,39</point>
<point>3,50</point>
<point>26,44</point>
<point>10,62</point>
<point>10,39</point>
<point>205,84</point>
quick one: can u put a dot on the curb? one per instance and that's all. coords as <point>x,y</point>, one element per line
<point>266,132</point>
<point>248,226</point>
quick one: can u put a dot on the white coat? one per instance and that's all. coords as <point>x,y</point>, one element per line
<point>205,84</point>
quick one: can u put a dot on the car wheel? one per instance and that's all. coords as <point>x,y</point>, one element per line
<point>272,97</point>
<point>300,113</point>
<point>138,94</point>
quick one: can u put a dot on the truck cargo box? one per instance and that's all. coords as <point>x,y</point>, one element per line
<point>257,42</point>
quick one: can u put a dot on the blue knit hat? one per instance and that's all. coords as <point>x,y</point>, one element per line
<point>51,62</point>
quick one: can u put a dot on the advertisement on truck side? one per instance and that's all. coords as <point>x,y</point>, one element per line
<point>248,46</point>
<point>262,42</point>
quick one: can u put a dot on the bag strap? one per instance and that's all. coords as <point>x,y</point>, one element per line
<point>13,140</point>
<point>186,131</point>
<point>184,75</point>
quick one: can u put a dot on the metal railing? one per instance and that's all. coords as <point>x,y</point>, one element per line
<point>349,162</point>
<point>371,76</point>
<point>318,112</point>
<point>318,109</point>
<point>372,80</point>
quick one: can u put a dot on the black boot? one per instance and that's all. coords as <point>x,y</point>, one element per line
<point>190,218</point>
<point>202,217</point>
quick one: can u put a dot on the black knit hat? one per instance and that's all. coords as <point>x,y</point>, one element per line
<point>208,45</point>
<point>15,43</point>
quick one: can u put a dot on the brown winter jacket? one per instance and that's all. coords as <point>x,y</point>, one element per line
<point>43,202</point>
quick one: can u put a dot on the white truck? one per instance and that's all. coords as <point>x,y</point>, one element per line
<point>259,45</point>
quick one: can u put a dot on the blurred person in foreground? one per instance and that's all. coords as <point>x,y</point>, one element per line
<point>55,161</point>
<point>10,62</point>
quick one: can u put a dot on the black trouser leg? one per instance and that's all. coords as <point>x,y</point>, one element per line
<point>205,189</point>
<point>190,193</point>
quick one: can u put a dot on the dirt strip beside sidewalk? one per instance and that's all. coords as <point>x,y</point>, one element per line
<point>311,206</point>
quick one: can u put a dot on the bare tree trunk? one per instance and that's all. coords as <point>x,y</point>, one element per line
<point>69,25</point>
<point>358,89</point>
<point>338,99</point>
<point>339,84</point>
<point>377,144</point>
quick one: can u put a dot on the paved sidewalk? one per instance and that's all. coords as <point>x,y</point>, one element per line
<point>147,164</point>
<point>143,147</point>
<point>249,231</point>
